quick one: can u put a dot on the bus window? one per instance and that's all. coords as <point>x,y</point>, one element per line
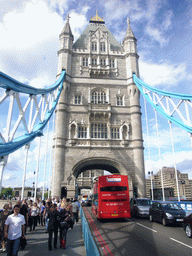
<point>113,188</point>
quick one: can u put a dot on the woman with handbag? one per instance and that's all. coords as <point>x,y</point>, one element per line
<point>63,225</point>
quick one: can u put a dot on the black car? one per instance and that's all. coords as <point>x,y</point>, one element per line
<point>166,213</point>
<point>187,225</point>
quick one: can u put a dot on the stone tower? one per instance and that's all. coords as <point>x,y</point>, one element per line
<point>98,117</point>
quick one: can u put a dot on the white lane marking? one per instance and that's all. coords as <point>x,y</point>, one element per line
<point>147,227</point>
<point>181,243</point>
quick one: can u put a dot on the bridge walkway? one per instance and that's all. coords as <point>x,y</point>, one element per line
<point>37,243</point>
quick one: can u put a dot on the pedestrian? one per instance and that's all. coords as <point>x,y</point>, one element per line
<point>74,207</point>
<point>10,207</point>
<point>34,214</point>
<point>63,225</point>
<point>14,230</point>
<point>3,216</point>
<point>45,214</point>
<point>53,224</point>
<point>30,220</point>
<point>42,208</point>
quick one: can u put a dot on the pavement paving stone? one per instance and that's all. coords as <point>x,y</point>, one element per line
<point>37,243</point>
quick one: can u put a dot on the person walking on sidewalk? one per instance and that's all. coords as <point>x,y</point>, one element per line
<point>53,225</point>
<point>15,225</point>
<point>75,211</point>
<point>63,225</point>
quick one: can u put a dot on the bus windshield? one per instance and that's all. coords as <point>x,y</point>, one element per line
<point>114,188</point>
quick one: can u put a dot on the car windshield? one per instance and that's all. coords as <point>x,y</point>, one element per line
<point>143,202</point>
<point>171,206</point>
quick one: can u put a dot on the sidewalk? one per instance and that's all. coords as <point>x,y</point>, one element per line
<point>37,243</point>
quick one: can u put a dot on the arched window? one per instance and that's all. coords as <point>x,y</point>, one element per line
<point>98,97</point>
<point>94,46</point>
<point>102,47</point>
<point>73,131</point>
<point>103,62</point>
<point>125,133</point>
<point>94,61</point>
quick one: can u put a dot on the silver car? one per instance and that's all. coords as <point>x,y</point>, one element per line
<point>140,207</point>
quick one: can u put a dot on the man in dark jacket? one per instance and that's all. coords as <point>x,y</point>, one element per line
<point>53,225</point>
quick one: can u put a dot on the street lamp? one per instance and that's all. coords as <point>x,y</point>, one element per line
<point>152,196</point>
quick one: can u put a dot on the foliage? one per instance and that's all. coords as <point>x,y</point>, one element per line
<point>6,192</point>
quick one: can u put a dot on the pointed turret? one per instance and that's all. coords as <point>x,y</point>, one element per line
<point>65,50</point>
<point>67,29</point>
<point>130,48</point>
<point>129,32</point>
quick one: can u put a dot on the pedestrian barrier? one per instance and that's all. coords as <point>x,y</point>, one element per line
<point>90,245</point>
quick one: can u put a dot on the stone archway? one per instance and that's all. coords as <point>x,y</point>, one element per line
<point>101,163</point>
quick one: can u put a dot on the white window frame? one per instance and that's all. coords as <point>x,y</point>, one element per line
<point>115,133</point>
<point>94,46</point>
<point>111,63</point>
<point>77,99</point>
<point>98,131</point>
<point>103,62</point>
<point>94,61</point>
<point>82,132</point>
<point>98,97</point>
<point>85,62</point>
<point>120,100</point>
<point>102,47</point>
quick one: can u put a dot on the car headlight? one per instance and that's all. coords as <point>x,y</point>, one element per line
<point>168,215</point>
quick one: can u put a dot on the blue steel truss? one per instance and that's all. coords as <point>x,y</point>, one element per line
<point>49,96</point>
<point>175,107</point>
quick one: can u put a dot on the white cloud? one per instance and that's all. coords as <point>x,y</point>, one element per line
<point>156,35</point>
<point>162,73</point>
<point>29,27</point>
<point>78,21</point>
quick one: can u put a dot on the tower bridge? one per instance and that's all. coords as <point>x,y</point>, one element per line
<point>98,118</point>
<point>98,114</point>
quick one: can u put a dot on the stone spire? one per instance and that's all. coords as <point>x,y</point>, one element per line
<point>129,32</point>
<point>67,29</point>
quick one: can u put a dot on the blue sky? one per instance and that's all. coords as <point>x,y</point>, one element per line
<point>30,40</point>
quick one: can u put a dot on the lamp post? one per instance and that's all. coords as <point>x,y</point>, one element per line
<point>152,196</point>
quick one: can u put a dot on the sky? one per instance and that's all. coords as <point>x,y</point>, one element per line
<point>29,43</point>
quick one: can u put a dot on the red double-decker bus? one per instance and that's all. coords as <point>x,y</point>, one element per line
<point>111,197</point>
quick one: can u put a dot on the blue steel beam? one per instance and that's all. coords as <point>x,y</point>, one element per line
<point>140,85</point>
<point>8,83</point>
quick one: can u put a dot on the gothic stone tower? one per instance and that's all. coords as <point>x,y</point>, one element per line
<point>98,118</point>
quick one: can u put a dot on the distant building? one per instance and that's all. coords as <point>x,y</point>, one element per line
<point>170,186</point>
<point>28,192</point>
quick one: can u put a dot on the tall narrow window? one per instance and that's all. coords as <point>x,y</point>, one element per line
<point>82,132</point>
<point>102,47</point>
<point>94,62</point>
<point>115,133</point>
<point>85,62</point>
<point>111,63</point>
<point>119,100</point>
<point>94,46</point>
<point>98,131</point>
<point>103,62</point>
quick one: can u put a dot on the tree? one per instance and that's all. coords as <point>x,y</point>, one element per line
<point>7,192</point>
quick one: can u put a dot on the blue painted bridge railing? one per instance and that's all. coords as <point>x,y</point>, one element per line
<point>90,245</point>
